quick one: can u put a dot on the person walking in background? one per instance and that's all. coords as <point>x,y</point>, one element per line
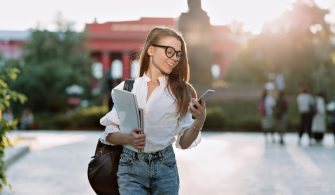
<point>331,116</point>
<point>8,115</point>
<point>27,119</point>
<point>280,113</point>
<point>168,100</point>
<point>265,107</point>
<point>319,119</point>
<point>305,101</point>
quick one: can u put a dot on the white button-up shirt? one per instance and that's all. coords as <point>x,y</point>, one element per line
<point>162,123</point>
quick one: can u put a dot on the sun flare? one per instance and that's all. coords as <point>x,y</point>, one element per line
<point>253,14</point>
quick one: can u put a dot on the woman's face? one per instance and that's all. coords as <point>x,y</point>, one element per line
<point>165,55</point>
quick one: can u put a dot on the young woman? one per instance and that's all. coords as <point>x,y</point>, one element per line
<point>163,92</point>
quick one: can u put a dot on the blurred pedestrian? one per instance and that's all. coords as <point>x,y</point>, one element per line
<point>305,102</point>
<point>280,113</point>
<point>331,116</point>
<point>265,107</point>
<point>27,120</point>
<point>8,115</point>
<point>319,119</point>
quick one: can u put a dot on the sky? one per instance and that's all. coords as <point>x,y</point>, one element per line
<point>22,15</point>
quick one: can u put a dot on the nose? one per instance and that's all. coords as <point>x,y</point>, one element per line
<point>174,57</point>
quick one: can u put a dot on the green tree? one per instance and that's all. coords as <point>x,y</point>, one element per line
<point>53,61</point>
<point>7,75</point>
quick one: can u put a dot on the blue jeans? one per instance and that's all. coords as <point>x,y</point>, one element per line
<point>148,173</point>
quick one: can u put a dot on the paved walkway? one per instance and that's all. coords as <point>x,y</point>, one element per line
<point>223,163</point>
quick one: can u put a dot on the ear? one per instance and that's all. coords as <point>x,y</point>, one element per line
<point>150,51</point>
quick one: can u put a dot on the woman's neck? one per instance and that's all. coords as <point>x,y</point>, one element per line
<point>154,74</point>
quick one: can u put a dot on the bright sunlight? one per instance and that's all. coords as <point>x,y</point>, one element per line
<point>253,14</point>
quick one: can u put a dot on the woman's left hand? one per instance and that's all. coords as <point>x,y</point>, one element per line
<point>198,110</point>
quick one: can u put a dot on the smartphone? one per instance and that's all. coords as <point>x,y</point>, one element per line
<point>205,96</point>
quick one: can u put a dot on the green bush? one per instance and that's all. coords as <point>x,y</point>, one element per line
<point>242,115</point>
<point>215,118</point>
<point>81,119</point>
<point>233,115</point>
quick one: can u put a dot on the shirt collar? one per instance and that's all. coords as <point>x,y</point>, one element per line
<point>146,78</point>
<point>161,79</point>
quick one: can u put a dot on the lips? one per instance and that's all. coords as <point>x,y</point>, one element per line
<point>172,65</point>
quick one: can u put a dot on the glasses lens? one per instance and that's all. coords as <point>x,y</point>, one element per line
<point>169,52</point>
<point>179,54</point>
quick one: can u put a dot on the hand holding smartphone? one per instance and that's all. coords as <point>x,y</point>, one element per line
<point>205,96</point>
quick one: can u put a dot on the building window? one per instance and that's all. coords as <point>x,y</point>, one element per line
<point>116,70</point>
<point>215,69</point>
<point>135,69</point>
<point>97,71</point>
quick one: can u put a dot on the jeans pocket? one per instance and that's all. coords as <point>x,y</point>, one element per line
<point>169,162</point>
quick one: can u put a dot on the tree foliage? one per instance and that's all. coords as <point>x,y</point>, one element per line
<point>7,95</point>
<point>53,61</point>
<point>297,44</point>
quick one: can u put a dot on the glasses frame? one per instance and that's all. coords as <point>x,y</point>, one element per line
<point>179,54</point>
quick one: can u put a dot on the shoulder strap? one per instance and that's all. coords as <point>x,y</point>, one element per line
<point>102,148</point>
<point>128,84</point>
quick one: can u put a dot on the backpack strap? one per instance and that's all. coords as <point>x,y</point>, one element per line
<point>102,148</point>
<point>128,84</point>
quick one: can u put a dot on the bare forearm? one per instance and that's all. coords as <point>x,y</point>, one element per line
<point>190,135</point>
<point>119,138</point>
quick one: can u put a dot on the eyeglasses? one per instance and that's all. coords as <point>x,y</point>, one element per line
<point>170,51</point>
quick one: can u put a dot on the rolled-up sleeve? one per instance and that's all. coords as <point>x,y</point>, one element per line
<point>185,123</point>
<point>110,121</point>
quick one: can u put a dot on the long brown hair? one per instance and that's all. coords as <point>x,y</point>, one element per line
<point>179,77</point>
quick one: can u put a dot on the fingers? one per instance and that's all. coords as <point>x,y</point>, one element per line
<point>139,144</point>
<point>196,107</point>
<point>201,102</point>
<point>196,103</point>
<point>137,131</point>
<point>138,138</point>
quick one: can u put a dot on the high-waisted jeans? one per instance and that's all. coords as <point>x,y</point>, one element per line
<point>148,173</point>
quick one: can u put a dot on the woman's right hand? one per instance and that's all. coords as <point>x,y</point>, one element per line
<point>137,138</point>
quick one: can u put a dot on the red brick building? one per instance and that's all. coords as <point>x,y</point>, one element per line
<point>11,43</point>
<point>119,41</point>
